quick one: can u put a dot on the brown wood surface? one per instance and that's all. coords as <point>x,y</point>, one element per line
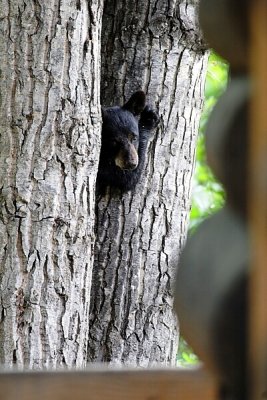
<point>106,384</point>
<point>258,197</point>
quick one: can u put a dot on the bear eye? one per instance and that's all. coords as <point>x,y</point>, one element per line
<point>132,137</point>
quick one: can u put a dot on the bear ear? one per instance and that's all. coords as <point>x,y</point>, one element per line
<point>136,103</point>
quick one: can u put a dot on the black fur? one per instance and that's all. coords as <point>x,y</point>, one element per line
<point>124,143</point>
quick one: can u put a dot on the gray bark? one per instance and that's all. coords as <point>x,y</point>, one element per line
<point>49,147</point>
<point>155,46</point>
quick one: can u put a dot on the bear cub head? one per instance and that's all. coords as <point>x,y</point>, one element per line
<point>126,131</point>
<point>120,133</point>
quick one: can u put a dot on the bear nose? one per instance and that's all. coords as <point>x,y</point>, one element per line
<point>127,160</point>
<point>127,165</point>
<point>130,165</point>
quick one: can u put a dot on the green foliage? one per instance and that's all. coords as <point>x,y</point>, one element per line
<point>185,356</point>
<point>208,194</point>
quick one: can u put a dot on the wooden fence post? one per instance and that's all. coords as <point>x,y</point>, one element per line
<point>258,198</point>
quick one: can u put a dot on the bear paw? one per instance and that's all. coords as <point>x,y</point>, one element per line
<point>149,118</point>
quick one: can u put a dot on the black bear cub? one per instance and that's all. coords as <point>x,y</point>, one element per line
<point>124,143</point>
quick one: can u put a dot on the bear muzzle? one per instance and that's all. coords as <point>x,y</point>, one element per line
<point>127,160</point>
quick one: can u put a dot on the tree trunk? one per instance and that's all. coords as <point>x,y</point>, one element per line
<point>156,47</point>
<point>49,147</point>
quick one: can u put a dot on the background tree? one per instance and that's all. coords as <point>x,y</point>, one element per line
<point>155,46</point>
<point>49,148</point>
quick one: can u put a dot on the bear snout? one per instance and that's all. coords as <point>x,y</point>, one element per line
<point>127,160</point>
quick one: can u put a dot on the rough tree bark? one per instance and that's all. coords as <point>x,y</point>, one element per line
<point>155,46</point>
<point>49,147</point>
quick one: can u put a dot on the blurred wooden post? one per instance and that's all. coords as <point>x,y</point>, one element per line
<point>258,197</point>
<point>102,383</point>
